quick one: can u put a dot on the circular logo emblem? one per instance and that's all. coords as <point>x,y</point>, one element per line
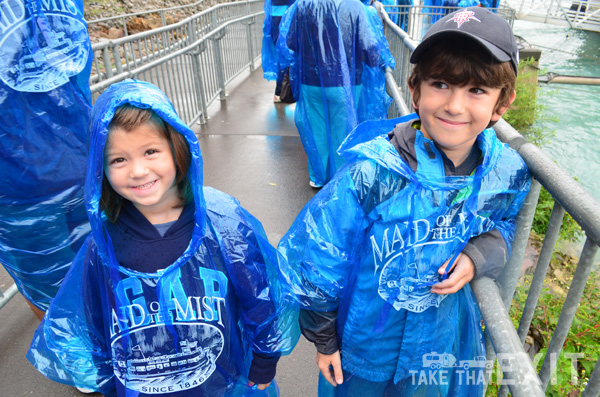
<point>41,53</point>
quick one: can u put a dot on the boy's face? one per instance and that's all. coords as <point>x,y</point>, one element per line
<point>453,116</point>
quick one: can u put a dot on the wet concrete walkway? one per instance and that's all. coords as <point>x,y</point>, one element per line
<point>252,151</point>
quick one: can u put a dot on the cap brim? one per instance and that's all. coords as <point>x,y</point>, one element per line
<point>494,51</point>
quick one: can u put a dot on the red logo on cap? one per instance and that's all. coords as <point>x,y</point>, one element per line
<point>462,17</point>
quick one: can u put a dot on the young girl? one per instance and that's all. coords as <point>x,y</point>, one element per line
<point>176,291</point>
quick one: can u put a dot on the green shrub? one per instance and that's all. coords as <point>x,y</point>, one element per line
<point>584,335</point>
<point>570,231</point>
<point>526,109</point>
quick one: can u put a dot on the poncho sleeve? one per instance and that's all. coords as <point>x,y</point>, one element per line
<point>70,345</point>
<point>507,224</point>
<point>319,249</point>
<point>490,251</point>
<point>268,316</point>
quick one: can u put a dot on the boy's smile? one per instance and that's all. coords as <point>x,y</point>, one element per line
<point>453,116</point>
<point>140,167</point>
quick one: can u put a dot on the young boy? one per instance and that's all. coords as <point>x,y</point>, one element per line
<point>381,257</point>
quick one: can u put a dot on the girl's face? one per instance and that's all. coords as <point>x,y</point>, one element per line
<point>139,166</point>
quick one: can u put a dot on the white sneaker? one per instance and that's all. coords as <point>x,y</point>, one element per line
<point>314,185</point>
<point>83,390</point>
<point>276,99</point>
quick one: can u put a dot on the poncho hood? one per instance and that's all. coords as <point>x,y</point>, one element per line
<point>145,96</point>
<point>369,140</point>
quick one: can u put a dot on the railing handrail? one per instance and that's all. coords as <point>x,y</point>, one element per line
<point>129,73</point>
<point>166,28</point>
<point>576,200</point>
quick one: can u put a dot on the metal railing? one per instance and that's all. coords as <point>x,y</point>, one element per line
<point>416,20</point>
<point>494,299</point>
<point>7,295</point>
<point>192,61</point>
<point>577,14</point>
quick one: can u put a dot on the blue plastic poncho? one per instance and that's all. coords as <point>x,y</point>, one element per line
<point>433,14</point>
<point>337,53</point>
<point>369,246</point>
<point>45,100</point>
<point>189,327</point>
<point>274,10</point>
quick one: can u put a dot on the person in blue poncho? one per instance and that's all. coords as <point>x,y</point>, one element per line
<point>45,103</point>
<point>337,52</point>
<point>274,10</point>
<point>381,257</point>
<point>176,291</point>
<point>434,13</point>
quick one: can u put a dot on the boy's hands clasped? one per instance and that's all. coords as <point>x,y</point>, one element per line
<point>461,272</point>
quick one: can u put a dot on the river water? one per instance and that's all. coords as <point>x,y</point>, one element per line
<point>576,143</point>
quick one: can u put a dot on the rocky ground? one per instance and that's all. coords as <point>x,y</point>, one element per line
<point>112,29</point>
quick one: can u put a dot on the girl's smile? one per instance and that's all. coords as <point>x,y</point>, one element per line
<point>139,166</point>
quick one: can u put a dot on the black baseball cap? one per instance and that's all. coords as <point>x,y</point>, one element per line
<point>487,28</point>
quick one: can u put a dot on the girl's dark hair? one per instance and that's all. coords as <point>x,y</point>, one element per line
<point>129,117</point>
<point>462,62</point>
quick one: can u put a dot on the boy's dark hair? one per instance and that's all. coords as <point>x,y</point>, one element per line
<point>129,117</point>
<point>469,46</point>
<point>461,62</point>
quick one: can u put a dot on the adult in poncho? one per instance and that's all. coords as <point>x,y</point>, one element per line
<point>434,12</point>
<point>192,326</point>
<point>337,53</point>
<point>274,10</point>
<point>45,100</point>
<point>366,249</point>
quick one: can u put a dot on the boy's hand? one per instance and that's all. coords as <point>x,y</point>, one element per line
<point>464,271</point>
<point>260,386</point>
<point>331,367</point>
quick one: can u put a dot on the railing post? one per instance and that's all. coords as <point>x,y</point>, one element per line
<point>124,27</point>
<point>250,41</point>
<point>516,366</point>
<point>218,58</point>
<point>117,58</point>
<point>584,267</point>
<point>107,64</point>
<point>197,72</point>
<point>199,82</point>
<point>541,268</point>
<point>593,387</point>
<point>510,275</point>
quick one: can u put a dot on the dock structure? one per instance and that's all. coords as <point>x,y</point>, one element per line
<point>577,14</point>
